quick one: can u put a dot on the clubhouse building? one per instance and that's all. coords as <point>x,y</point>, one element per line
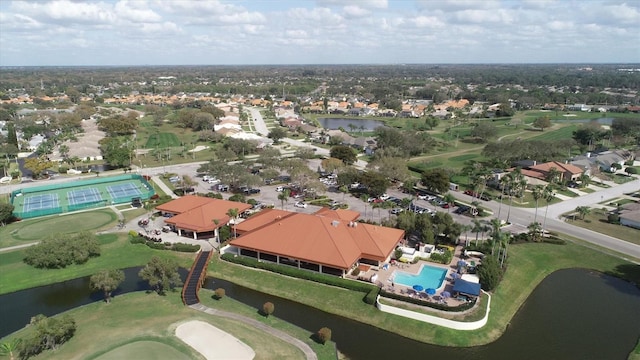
<point>327,241</point>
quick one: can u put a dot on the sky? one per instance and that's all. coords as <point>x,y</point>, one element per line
<point>243,32</point>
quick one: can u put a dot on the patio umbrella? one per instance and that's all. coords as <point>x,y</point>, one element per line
<point>418,287</point>
<point>462,263</point>
<point>430,291</point>
<point>455,276</point>
<point>445,294</point>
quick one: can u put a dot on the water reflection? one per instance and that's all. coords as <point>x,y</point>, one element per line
<point>357,124</point>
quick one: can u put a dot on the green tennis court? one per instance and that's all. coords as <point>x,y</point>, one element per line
<point>79,195</point>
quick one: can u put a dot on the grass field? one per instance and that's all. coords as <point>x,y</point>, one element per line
<point>528,265</point>
<point>162,140</point>
<point>117,253</point>
<point>31,230</point>
<point>145,350</point>
<point>597,221</point>
<point>134,321</point>
<point>564,132</point>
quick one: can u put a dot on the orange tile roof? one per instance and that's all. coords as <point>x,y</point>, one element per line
<point>546,167</point>
<point>318,238</point>
<point>339,214</point>
<point>197,213</point>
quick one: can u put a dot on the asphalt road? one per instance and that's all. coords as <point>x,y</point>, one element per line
<point>519,217</point>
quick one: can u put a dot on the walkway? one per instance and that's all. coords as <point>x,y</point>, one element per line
<point>194,279</point>
<point>306,349</point>
<point>156,179</point>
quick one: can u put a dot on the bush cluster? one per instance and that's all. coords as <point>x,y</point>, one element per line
<point>444,258</point>
<point>301,274</point>
<point>49,334</point>
<point>180,247</point>
<point>59,251</point>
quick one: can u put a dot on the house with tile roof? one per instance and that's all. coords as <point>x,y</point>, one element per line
<point>328,241</point>
<point>199,217</point>
<point>568,172</point>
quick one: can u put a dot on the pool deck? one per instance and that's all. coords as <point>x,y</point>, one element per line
<point>384,279</point>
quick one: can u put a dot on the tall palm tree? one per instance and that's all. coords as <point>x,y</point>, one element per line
<point>465,228</point>
<point>537,193</point>
<point>495,232</point>
<point>233,214</point>
<point>504,184</point>
<point>548,196</point>
<point>477,228</point>
<point>503,239</point>
<point>284,197</point>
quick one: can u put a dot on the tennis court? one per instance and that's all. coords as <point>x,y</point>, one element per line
<point>41,202</point>
<point>79,195</point>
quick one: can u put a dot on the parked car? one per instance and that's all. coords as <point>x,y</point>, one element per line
<point>397,211</point>
<point>279,188</point>
<point>251,191</point>
<point>300,204</point>
<point>384,197</point>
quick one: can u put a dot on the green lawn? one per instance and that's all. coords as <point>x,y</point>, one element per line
<point>162,140</point>
<point>528,265</point>
<point>145,350</point>
<point>597,221</point>
<point>140,318</point>
<point>564,132</point>
<point>27,231</point>
<point>117,253</point>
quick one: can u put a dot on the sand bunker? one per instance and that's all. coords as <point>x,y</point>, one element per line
<point>198,148</point>
<point>213,343</point>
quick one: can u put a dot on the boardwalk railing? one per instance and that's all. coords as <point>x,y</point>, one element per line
<point>196,278</point>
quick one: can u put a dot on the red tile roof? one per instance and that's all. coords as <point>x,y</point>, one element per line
<point>318,238</point>
<point>546,167</point>
<point>196,213</point>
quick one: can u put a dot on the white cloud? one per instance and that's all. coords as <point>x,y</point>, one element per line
<point>355,11</point>
<point>372,4</point>
<point>136,11</point>
<point>65,11</point>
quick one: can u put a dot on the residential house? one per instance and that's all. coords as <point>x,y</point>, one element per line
<point>568,172</point>
<point>328,241</point>
<point>199,217</point>
<point>630,215</point>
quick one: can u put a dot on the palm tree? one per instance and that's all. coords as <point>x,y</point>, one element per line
<point>477,228</point>
<point>537,195</point>
<point>10,348</point>
<point>449,199</point>
<point>584,180</point>
<point>503,239</point>
<point>583,211</point>
<point>505,182</point>
<point>548,196</point>
<point>554,176</point>
<point>465,228</point>
<point>495,231</point>
<point>535,230</point>
<point>233,214</point>
<point>284,197</point>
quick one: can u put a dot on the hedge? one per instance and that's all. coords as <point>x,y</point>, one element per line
<point>300,273</point>
<point>180,247</point>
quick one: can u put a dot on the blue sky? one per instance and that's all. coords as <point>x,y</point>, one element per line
<point>202,32</point>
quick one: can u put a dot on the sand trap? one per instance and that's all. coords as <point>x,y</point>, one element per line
<point>213,343</point>
<point>198,148</point>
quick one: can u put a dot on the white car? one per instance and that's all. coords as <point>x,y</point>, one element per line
<point>280,188</point>
<point>213,181</point>
<point>384,197</point>
<point>300,204</point>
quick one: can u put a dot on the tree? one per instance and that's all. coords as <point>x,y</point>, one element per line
<point>538,193</point>
<point>484,131</point>
<point>10,348</point>
<point>548,196</point>
<point>631,170</point>
<point>583,211</point>
<point>48,334</point>
<point>584,180</point>
<point>489,273</point>
<point>6,213</point>
<point>233,215</point>
<point>535,231</point>
<point>324,335</point>
<point>554,176</point>
<point>276,134</point>
<point>106,281</point>
<point>116,152</point>
<point>284,197</point>
<point>161,274</point>
<point>542,122</point>
<point>431,122</point>
<point>436,180</point>
<point>58,251</point>
<point>219,293</point>
<point>37,165</point>
<point>268,308</point>
<point>344,153</point>
<point>63,150</point>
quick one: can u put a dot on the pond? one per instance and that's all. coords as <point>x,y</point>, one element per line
<point>360,124</point>
<point>602,121</point>
<point>572,314</point>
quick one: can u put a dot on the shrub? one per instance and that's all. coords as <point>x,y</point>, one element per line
<point>444,258</point>
<point>137,239</point>
<point>490,273</point>
<point>182,247</point>
<point>553,240</point>
<point>324,335</point>
<point>613,218</point>
<point>58,251</point>
<point>267,308</point>
<point>156,246</point>
<point>219,293</point>
<point>355,272</point>
<point>133,233</point>
<point>372,296</point>
<point>301,273</point>
<point>49,334</point>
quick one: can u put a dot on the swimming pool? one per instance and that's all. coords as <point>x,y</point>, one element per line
<point>427,277</point>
